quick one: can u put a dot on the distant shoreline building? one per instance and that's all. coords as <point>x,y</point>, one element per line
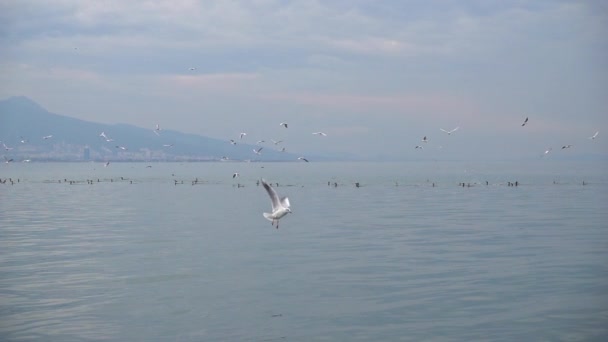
<point>87,153</point>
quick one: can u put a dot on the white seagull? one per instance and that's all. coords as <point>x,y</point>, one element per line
<point>47,137</point>
<point>234,175</point>
<point>284,124</point>
<point>106,164</point>
<point>6,147</point>
<point>566,146</point>
<point>595,135</point>
<point>122,148</point>
<point>280,206</point>
<point>320,134</point>
<point>276,142</point>
<point>157,129</point>
<point>548,150</point>
<point>23,140</point>
<point>232,142</point>
<point>258,151</point>
<point>243,134</point>
<point>449,132</point>
<point>302,158</point>
<point>425,139</point>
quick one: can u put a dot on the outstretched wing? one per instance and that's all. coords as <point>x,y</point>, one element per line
<point>274,198</point>
<point>285,202</point>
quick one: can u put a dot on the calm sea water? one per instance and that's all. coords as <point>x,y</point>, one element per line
<point>139,256</point>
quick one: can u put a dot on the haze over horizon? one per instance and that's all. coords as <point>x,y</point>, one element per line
<point>376,77</point>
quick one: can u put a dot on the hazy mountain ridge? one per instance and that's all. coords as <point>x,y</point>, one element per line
<point>23,119</point>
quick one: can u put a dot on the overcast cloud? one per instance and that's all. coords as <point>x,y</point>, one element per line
<point>376,76</point>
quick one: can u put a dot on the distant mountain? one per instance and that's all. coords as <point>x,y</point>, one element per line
<point>24,123</point>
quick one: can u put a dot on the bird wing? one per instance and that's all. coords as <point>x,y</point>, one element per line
<point>285,202</point>
<point>274,198</point>
<point>454,130</point>
<point>443,130</point>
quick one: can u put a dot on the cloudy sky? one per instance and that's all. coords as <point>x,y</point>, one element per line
<point>376,76</point>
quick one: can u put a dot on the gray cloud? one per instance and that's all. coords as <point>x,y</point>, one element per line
<point>376,74</point>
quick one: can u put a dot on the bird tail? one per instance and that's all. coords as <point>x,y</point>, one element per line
<point>268,216</point>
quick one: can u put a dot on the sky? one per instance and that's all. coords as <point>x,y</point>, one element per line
<point>376,76</point>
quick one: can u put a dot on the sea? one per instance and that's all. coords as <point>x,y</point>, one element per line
<point>407,251</point>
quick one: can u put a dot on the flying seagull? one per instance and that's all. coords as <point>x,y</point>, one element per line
<point>320,134</point>
<point>243,134</point>
<point>420,147</point>
<point>425,139</point>
<point>595,135</point>
<point>23,140</point>
<point>566,146</point>
<point>525,122</point>
<point>276,142</point>
<point>548,150</point>
<point>232,142</point>
<point>258,151</point>
<point>280,207</point>
<point>157,129</point>
<point>234,175</point>
<point>449,132</point>
<point>47,137</point>
<point>302,158</point>
<point>284,124</point>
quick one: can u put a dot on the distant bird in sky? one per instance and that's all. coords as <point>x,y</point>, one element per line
<point>595,135</point>
<point>103,135</point>
<point>23,140</point>
<point>449,132</point>
<point>548,150</point>
<point>284,124</point>
<point>566,146</point>
<point>302,158</point>
<point>106,164</point>
<point>192,68</point>
<point>232,142</point>
<point>234,175</point>
<point>276,142</point>
<point>224,158</point>
<point>8,160</point>
<point>258,151</point>
<point>6,147</point>
<point>260,141</point>
<point>425,139</point>
<point>283,149</point>
<point>320,134</point>
<point>122,148</point>
<point>525,122</point>
<point>420,147</point>
<point>47,137</point>
<point>157,129</point>
<point>243,134</point>
<point>167,145</point>
<point>280,206</point>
